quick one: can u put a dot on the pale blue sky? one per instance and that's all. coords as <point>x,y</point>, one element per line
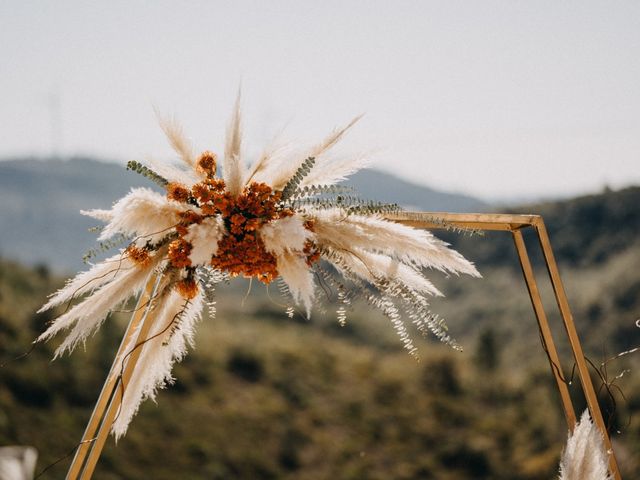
<point>492,98</point>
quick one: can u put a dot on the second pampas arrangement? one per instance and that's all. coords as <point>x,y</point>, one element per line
<point>284,219</point>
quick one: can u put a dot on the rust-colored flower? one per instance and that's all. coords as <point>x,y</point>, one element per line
<point>311,252</point>
<point>241,251</point>
<point>139,256</point>
<point>187,288</point>
<point>207,163</point>
<point>252,224</point>
<point>179,251</point>
<point>245,256</point>
<point>178,192</point>
<point>212,197</point>
<point>187,218</point>
<point>310,225</point>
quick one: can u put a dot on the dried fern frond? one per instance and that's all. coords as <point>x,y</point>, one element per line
<point>451,227</point>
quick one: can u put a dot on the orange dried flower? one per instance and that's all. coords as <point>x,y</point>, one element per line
<point>241,251</point>
<point>212,196</point>
<point>187,288</point>
<point>245,256</point>
<point>252,224</point>
<point>178,192</point>
<point>187,218</point>
<point>139,256</point>
<point>311,252</point>
<point>178,254</point>
<point>207,163</point>
<point>236,224</point>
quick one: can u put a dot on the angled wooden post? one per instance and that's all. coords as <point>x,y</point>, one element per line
<point>546,336</point>
<point>515,224</point>
<point>574,340</point>
<point>90,447</point>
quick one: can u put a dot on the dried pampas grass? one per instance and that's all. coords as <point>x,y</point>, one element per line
<point>233,165</point>
<point>86,317</point>
<point>143,213</point>
<point>584,457</point>
<point>176,138</point>
<point>167,342</point>
<point>283,218</point>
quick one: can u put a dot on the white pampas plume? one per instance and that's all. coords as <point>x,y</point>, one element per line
<point>142,212</point>
<point>111,269</point>
<point>172,173</point>
<point>415,245</point>
<point>285,235</point>
<point>167,342</point>
<point>98,214</point>
<point>204,238</point>
<point>374,267</point>
<point>333,138</point>
<point>275,152</point>
<point>87,316</point>
<point>286,171</point>
<point>334,170</point>
<point>371,233</point>
<point>178,141</point>
<point>584,457</point>
<point>298,276</point>
<point>232,165</point>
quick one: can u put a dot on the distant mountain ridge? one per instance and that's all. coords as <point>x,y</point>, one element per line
<point>40,202</point>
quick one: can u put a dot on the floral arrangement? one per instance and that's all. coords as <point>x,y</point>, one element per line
<point>283,219</point>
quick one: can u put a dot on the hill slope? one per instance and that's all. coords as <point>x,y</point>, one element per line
<point>265,397</point>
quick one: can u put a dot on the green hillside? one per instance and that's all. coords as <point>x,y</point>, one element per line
<point>268,397</point>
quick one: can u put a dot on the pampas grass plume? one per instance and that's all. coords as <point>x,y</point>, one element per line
<point>584,457</point>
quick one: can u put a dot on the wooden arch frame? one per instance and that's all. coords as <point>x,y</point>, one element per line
<point>106,408</point>
<point>516,224</point>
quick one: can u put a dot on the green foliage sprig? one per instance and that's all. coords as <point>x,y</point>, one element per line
<point>209,278</point>
<point>147,172</point>
<point>102,247</point>
<point>373,208</point>
<point>317,190</point>
<point>294,182</point>
<point>379,294</point>
<point>351,204</point>
<point>454,228</point>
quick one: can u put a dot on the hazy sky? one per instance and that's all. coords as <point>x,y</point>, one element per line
<point>492,98</point>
